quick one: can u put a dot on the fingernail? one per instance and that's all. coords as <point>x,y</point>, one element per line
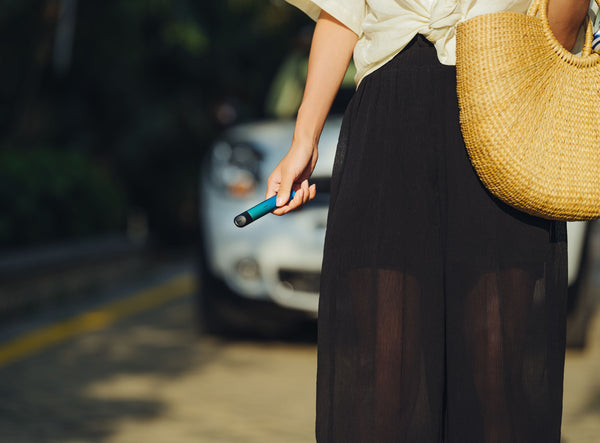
<point>280,201</point>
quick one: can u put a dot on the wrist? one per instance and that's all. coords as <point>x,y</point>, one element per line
<point>308,127</point>
<point>305,141</point>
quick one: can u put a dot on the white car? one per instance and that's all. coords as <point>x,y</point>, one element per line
<point>276,260</point>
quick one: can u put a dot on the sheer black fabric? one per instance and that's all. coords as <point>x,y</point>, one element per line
<point>442,310</point>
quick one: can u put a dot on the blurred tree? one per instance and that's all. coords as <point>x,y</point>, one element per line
<point>47,194</point>
<point>137,85</point>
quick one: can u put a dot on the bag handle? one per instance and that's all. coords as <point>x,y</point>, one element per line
<point>541,7</point>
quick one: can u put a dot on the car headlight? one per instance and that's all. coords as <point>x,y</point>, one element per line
<point>235,168</point>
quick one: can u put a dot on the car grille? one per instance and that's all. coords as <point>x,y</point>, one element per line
<point>301,281</point>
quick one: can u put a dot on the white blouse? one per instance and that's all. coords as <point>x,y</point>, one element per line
<point>385,27</point>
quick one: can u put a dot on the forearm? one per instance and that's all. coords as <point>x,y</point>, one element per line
<point>566,17</point>
<point>330,54</point>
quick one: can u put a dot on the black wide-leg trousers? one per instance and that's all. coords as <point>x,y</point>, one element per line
<point>442,310</point>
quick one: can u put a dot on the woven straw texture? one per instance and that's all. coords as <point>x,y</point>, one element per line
<point>529,114</point>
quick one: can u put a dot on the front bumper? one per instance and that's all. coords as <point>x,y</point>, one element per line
<point>274,258</point>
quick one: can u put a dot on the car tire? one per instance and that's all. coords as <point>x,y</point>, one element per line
<point>211,317</point>
<point>581,302</point>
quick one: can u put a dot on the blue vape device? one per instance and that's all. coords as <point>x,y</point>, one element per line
<point>256,212</point>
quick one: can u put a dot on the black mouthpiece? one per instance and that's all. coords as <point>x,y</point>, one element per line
<point>240,221</point>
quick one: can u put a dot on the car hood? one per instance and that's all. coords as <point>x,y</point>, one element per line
<point>273,138</point>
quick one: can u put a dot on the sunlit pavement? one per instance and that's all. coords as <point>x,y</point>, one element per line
<point>139,373</point>
<point>148,377</point>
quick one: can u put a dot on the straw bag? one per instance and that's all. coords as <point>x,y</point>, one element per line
<point>529,113</point>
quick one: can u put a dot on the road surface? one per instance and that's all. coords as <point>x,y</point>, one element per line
<point>130,368</point>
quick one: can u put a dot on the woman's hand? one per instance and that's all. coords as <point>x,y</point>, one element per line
<point>293,172</point>
<point>330,54</point>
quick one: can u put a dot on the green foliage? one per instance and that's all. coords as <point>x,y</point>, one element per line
<point>141,91</point>
<point>188,36</point>
<point>48,194</point>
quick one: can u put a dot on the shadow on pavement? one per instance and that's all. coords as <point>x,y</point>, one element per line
<point>86,388</point>
<point>83,389</point>
<point>304,333</point>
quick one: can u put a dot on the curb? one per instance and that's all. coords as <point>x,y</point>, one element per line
<point>39,278</point>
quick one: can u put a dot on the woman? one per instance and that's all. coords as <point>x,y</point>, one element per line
<point>442,310</point>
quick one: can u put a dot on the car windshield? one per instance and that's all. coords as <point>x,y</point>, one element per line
<point>285,92</point>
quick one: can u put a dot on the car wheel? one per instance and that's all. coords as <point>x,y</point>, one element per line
<point>211,307</point>
<point>581,299</point>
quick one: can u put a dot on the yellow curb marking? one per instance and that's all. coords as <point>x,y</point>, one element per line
<point>32,342</point>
